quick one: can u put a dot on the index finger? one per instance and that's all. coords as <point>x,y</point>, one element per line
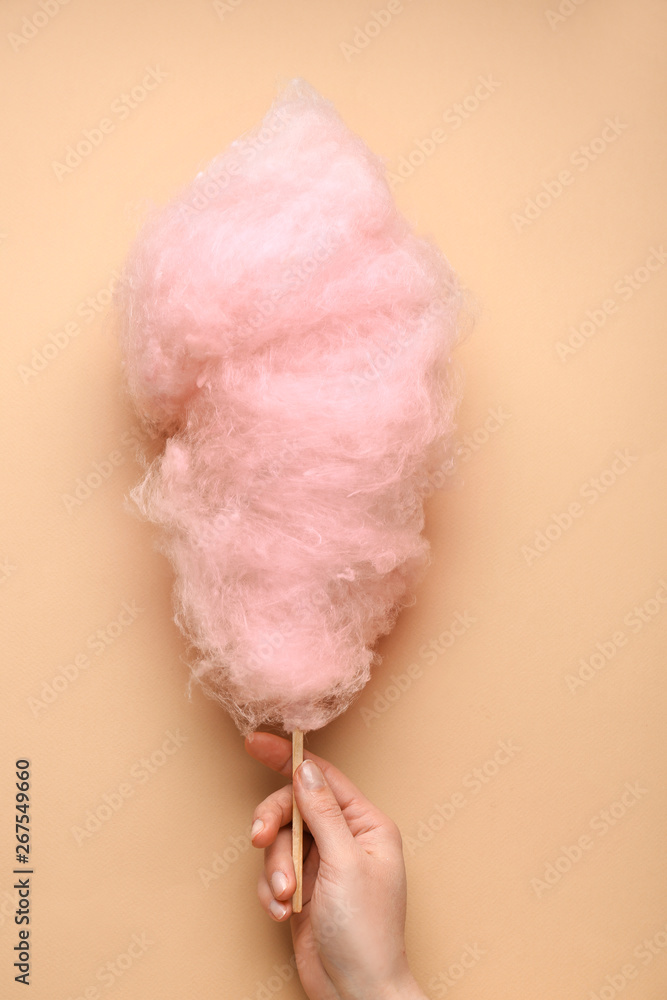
<point>276,753</point>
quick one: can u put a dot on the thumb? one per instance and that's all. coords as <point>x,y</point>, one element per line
<point>320,809</point>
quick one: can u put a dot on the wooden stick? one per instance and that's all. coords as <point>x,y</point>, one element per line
<point>297,825</point>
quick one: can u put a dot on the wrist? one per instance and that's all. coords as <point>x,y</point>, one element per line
<point>404,987</point>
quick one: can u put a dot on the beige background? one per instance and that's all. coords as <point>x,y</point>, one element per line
<point>478,866</point>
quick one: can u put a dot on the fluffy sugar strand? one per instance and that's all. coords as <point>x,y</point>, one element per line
<point>289,337</point>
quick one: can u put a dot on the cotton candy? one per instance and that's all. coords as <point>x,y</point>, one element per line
<point>289,337</point>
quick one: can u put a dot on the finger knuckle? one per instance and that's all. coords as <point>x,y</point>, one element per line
<point>270,813</point>
<point>328,808</point>
<point>276,813</point>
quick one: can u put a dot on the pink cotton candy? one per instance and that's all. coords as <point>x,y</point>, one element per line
<point>290,336</point>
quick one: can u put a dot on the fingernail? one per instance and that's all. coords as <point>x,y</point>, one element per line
<point>256,828</point>
<point>278,883</point>
<point>310,776</point>
<point>277,910</point>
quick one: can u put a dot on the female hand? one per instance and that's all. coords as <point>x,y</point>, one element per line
<point>349,938</point>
